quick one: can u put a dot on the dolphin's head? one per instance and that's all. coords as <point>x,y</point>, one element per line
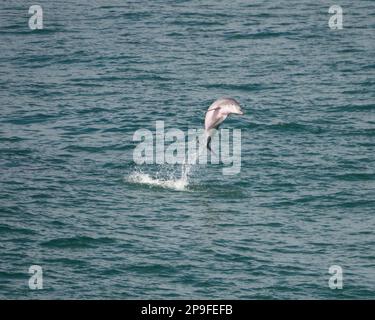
<point>232,106</point>
<point>237,109</point>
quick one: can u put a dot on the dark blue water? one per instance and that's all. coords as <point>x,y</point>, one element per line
<point>73,94</point>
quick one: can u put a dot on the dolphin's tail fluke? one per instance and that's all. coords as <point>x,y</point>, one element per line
<point>208,145</point>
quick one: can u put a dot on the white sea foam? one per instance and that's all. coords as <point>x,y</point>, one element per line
<point>179,184</point>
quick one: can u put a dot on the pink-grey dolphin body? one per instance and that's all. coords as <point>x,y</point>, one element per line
<point>217,113</point>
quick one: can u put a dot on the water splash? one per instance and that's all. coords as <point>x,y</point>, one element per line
<point>165,177</point>
<point>179,184</point>
<point>169,180</point>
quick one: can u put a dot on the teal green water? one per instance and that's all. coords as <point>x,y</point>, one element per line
<point>73,94</point>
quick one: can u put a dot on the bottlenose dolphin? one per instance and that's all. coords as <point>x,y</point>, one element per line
<point>216,114</point>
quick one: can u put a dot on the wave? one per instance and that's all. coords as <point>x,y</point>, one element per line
<point>77,242</point>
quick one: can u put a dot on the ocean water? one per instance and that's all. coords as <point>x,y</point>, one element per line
<point>73,201</point>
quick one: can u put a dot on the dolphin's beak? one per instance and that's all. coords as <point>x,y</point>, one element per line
<point>241,113</point>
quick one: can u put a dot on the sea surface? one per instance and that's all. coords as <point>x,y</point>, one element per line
<point>73,201</point>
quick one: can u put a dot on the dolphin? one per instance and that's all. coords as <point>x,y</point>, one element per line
<point>216,114</point>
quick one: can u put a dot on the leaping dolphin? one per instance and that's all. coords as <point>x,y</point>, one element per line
<point>217,113</point>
